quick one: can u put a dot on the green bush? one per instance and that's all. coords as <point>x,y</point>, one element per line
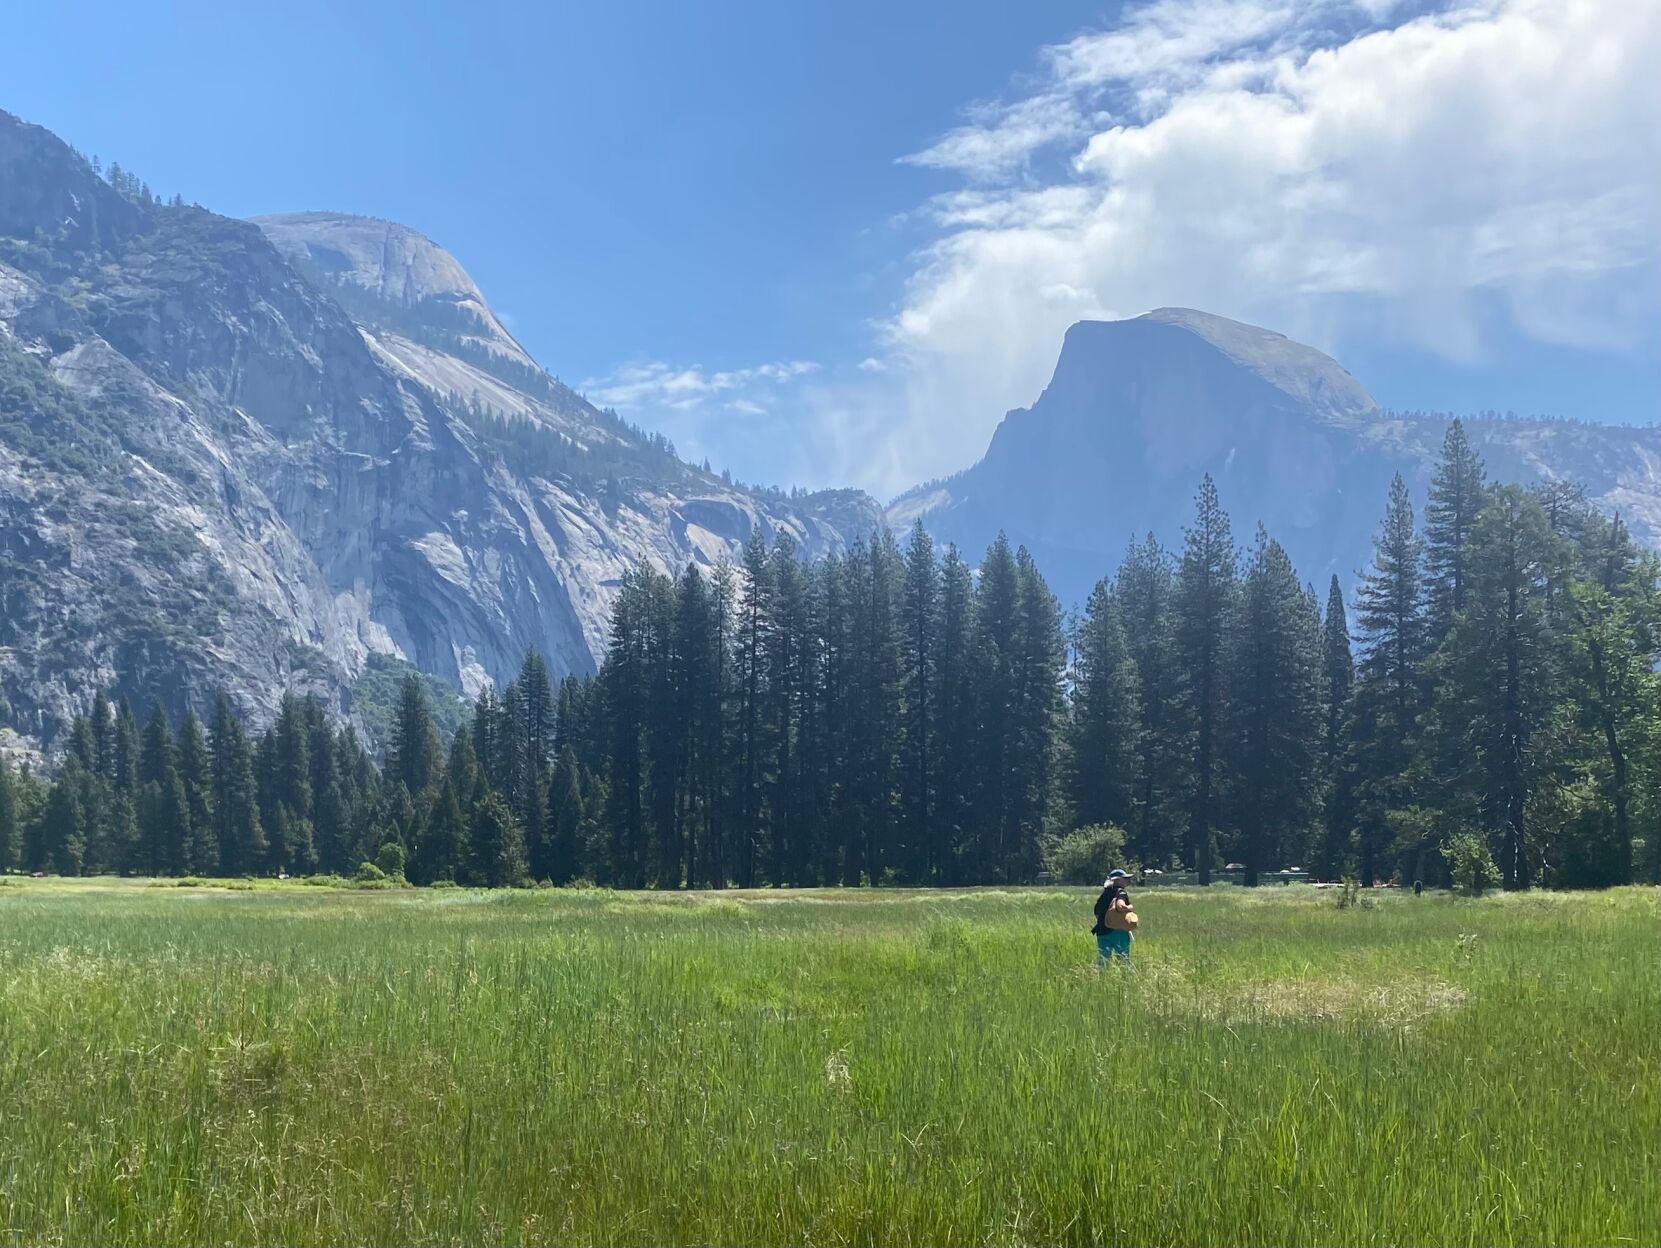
<point>1086,855</point>
<point>392,859</point>
<point>368,873</point>
<point>1473,866</point>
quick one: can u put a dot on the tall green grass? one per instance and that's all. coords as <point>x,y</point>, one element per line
<point>310,1066</point>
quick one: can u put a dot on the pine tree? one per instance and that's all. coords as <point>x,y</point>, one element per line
<point>1039,664</point>
<point>956,707</point>
<point>1614,647</point>
<point>1389,685</point>
<point>441,851</point>
<point>11,820</point>
<point>567,815</point>
<point>1159,802</point>
<point>1338,680</point>
<point>417,756</point>
<point>919,622</point>
<point>496,850</point>
<point>1274,708</point>
<point>1501,677</point>
<point>61,846</point>
<point>241,836</point>
<point>1202,603</point>
<point>1456,494</point>
<point>1106,716</point>
<point>164,817</point>
<point>196,778</point>
<point>755,617</point>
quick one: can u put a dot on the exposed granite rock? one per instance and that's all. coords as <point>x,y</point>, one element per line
<point>1138,410</point>
<point>249,456</point>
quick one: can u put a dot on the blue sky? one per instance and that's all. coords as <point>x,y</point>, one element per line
<point>828,243</point>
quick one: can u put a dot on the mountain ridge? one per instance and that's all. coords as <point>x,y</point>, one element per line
<point>1137,410</point>
<point>219,470</point>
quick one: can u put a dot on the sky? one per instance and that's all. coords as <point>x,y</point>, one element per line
<point>832,243</point>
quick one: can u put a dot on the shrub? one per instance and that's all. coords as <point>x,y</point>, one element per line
<point>369,873</point>
<point>444,884</point>
<point>392,859</point>
<point>1473,866</point>
<point>1086,855</point>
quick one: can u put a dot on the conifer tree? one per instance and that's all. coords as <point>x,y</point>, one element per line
<point>416,757</point>
<point>1274,707</point>
<point>919,624</point>
<point>496,850</point>
<point>11,820</point>
<point>955,702</point>
<point>1456,494</point>
<point>755,616</point>
<point>1389,688</point>
<point>196,778</point>
<point>61,846</point>
<point>240,834</point>
<point>1159,804</point>
<point>1202,602</point>
<point>1338,680</point>
<point>1106,717</point>
<point>1500,681</point>
<point>567,815</point>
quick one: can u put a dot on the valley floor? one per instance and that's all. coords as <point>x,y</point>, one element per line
<point>310,1066</point>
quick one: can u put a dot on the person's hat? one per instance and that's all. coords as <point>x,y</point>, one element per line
<point>1117,874</point>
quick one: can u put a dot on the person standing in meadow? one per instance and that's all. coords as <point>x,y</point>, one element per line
<point>1115,919</point>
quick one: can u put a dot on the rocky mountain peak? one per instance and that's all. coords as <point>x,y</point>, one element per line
<point>1166,337</point>
<point>1138,410</point>
<point>400,268</point>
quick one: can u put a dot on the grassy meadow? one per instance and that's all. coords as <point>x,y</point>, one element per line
<point>309,1066</point>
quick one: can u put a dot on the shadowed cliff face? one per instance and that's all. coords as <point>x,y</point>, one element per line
<point>228,461</point>
<point>1139,410</point>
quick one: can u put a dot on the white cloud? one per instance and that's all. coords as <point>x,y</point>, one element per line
<point>1324,168</point>
<point>640,387</point>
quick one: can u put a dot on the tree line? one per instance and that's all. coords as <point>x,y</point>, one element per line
<point>891,715</point>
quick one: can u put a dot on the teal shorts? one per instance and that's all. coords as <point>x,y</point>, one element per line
<point>1113,945</point>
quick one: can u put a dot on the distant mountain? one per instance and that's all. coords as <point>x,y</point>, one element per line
<point>260,456</point>
<point>1139,410</point>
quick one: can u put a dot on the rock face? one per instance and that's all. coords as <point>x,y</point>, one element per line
<point>1139,410</point>
<point>251,455</point>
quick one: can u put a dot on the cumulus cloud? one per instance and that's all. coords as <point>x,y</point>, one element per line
<point>1328,169</point>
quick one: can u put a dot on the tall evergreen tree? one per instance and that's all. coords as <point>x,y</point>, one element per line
<point>496,845</point>
<point>1611,660</point>
<point>956,704</point>
<point>196,778</point>
<point>919,616</point>
<point>1501,674</point>
<point>1338,681</point>
<point>1456,494</point>
<point>417,755</point>
<point>1106,718</point>
<point>11,820</point>
<point>239,832</point>
<point>1274,703</point>
<point>1159,802</point>
<point>755,620</point>
<point>1202,603</point>
<point>1390,681</point>
<point>163,809</point>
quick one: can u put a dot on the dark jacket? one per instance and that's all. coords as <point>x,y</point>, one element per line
<point>1104,903</point>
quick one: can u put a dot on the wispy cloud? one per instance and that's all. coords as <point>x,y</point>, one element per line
<point>655,384</point>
